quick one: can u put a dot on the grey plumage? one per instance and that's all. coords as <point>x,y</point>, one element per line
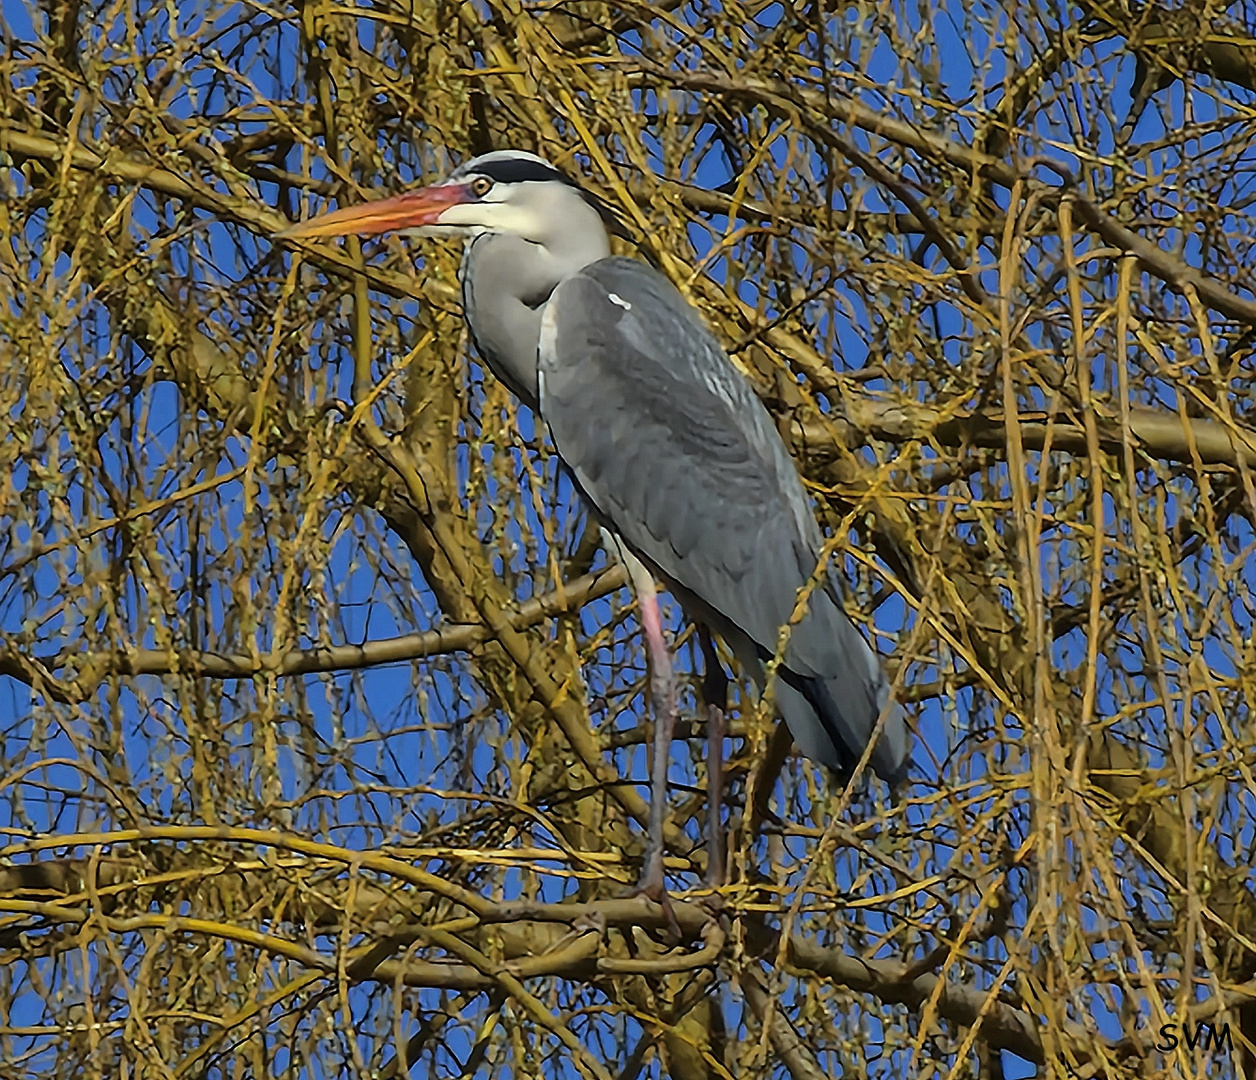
<point>668,442</point>
<point>506,331</point>
<point>664,437</point>
<point>672,448</point>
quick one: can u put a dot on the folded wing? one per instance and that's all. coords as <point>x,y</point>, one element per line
<point>672,447</point>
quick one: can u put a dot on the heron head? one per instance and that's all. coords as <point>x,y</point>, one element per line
<point>506,191</point>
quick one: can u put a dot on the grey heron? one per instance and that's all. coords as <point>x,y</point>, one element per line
<point>667,442</point>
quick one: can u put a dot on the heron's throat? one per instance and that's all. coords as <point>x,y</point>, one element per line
<point>508,279</point>
<point>506,282</point>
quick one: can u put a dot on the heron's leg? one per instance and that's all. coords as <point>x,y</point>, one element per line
<point>715,691</point>
<point>663,697</point>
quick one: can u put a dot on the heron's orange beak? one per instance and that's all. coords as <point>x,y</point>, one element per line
<point>411,210</point>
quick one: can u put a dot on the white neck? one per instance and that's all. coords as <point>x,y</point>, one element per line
<point>507,280</point>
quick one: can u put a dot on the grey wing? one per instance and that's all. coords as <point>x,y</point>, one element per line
<point>672,447</point>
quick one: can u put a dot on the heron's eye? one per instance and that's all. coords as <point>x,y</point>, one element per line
<point>481,186</point>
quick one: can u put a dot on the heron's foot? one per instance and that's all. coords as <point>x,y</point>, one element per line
<point>653,887</point>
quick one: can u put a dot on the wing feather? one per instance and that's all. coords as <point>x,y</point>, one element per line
<point>673,448</point>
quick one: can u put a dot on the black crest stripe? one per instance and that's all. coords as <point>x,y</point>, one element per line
<point>519,171</point>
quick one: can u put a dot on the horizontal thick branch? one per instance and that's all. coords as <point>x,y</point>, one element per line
<point>1003,1025</point>
<point>407,647</point>
<point>1157,434</point>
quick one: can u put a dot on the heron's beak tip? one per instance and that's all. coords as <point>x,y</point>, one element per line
<point>292,232</point>
<point>344,222</point>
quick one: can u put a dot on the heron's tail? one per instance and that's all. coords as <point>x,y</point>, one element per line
<point>831,690</point>
<point>834,732</point>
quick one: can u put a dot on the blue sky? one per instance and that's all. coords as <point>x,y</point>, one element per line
<point>408,733</point>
